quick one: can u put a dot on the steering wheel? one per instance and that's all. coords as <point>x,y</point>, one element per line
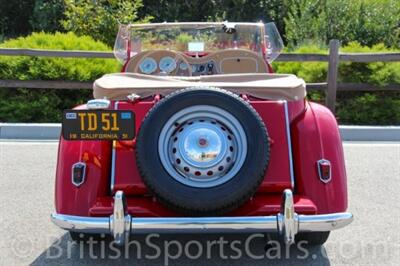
<point>168,63</point>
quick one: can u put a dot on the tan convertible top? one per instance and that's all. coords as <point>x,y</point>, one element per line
<point>266,86</point>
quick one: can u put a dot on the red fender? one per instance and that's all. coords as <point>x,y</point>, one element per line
<point>315,136</point>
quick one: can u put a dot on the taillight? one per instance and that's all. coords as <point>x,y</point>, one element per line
<point>324,170</point>
<point>78,173</point>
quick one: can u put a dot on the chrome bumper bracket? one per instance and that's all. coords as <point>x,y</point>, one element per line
<point>287,218</point>
<point>120,221</point>
<point>287,222</point>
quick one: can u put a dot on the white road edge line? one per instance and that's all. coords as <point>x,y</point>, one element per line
<point>372,143</point>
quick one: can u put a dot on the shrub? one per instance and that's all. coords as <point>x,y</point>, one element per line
<point>377,108</point>
<point>372,108</point>
<point>379,73</point>
<point>30,105</point>
<point>310,72</point>
<point>369,108</point>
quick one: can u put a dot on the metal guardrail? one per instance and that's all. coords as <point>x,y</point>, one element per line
<point>331,86</point>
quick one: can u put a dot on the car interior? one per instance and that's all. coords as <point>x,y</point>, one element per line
<point>172,63</point>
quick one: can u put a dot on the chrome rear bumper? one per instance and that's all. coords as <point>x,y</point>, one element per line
<point>287,223</point>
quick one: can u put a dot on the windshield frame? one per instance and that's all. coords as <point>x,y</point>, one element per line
<point>125,48</point>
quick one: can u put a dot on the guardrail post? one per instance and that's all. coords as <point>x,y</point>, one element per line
<point>333,65</point>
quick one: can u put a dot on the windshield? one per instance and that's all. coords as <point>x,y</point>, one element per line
<point>197,38</point>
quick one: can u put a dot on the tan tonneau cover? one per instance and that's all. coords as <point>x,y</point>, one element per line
<point>266,86</point>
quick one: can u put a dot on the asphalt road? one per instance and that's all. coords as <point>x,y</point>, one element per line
<point>28,237</point>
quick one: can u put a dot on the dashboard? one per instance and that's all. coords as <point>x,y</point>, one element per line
<point>207,68</point>
<point>166,62</point>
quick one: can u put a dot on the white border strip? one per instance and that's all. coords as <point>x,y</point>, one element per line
<point>42,131</point>
<point>52,131</point>
<point>370,133</point>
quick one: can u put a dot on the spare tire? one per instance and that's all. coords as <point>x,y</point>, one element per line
<point>202,151</point>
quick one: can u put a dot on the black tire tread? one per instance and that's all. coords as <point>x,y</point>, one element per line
<point>313,238</point>
<point>85,237</point>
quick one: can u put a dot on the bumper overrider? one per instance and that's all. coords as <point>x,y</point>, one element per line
<point>120,224</point>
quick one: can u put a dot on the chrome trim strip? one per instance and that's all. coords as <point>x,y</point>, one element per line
<point>289,139</point>
<point>324,222</point>
<point>84,174</point>
<point>249,224</point>
<point>97,104</point>
<point>113,157</point>
<point>80,224</point>
<point>287,222</point>
<point>183,24</point>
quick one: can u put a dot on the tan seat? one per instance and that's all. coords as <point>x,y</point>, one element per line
<point>266,86</point>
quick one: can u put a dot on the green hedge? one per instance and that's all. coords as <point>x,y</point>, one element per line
<point>365,108</point>
<point>30,105</point>
<point>373,108</point>
<point>379,73</point>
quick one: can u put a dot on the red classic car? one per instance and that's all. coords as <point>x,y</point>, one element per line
<point>198,134</point>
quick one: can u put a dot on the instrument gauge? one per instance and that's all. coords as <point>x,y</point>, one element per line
<point>167,64</point>
<point>183,66</point>
<point>148,65</point>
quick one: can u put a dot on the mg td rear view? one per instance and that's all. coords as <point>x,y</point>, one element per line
<point>197,134</point>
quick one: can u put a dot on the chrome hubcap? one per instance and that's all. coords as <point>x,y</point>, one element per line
<point>202,146</point>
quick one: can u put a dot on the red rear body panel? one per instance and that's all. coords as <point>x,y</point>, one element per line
<point>300,135</point>
<point>277,176</point>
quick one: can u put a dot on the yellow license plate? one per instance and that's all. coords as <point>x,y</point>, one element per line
<point>98,125</point>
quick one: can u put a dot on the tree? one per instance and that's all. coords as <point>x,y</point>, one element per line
<point>47,15</point>
<point>100,18</point>
<point>305,21</point>
<point>14,17</point>
<point>216,10</point>
<point>366,21</point>
<point>180,10</point>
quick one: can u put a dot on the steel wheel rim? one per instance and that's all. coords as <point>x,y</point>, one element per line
<point>202,146</point>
